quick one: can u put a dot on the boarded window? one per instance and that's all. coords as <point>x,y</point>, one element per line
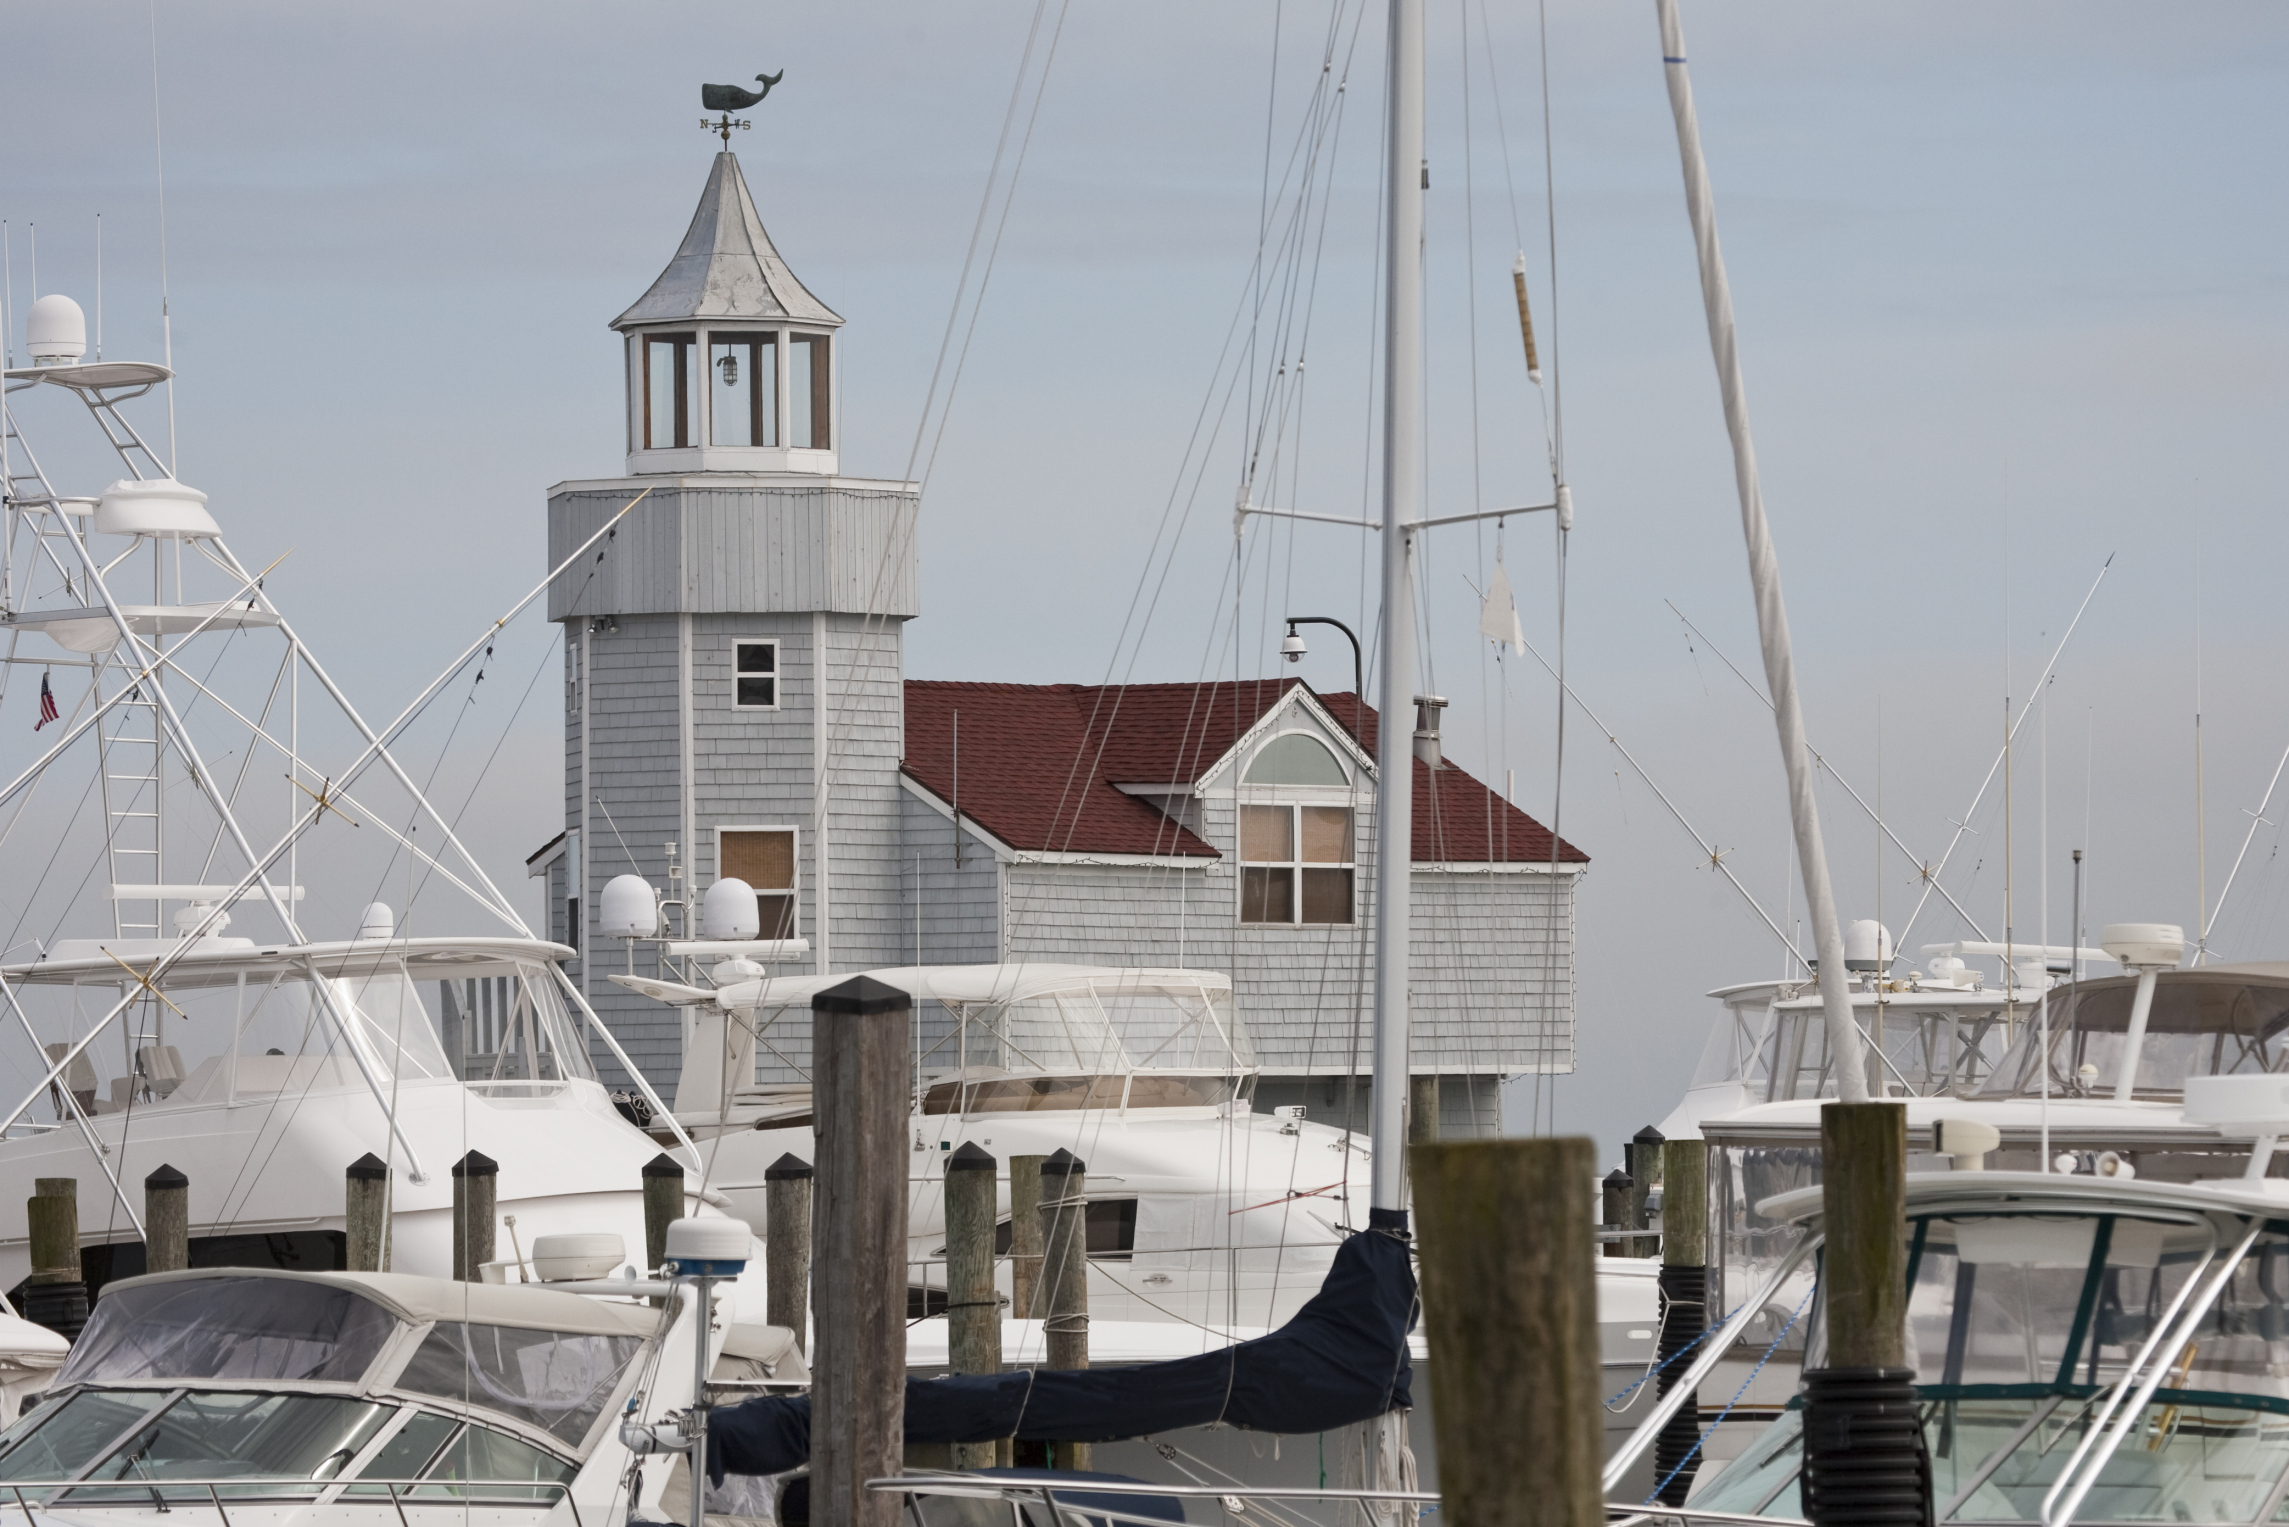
<point>755,678</point>
<point>765,859</point>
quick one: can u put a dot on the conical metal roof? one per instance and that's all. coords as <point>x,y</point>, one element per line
<point>726,267</point>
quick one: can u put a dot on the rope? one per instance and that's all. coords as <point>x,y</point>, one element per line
<point>1655,1371</point>
<point>1695,1450</point>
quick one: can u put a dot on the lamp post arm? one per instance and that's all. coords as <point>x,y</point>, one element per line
<point>1358,667</point>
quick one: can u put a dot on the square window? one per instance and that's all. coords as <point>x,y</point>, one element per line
<point>756,676</point>
<point>1296,865</point>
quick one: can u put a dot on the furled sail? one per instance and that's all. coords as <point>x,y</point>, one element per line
<point>1342,1359</point>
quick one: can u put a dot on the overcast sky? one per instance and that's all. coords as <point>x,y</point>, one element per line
<point>2010,294</point>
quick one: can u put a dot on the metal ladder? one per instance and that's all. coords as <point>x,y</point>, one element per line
<point>132,800</point>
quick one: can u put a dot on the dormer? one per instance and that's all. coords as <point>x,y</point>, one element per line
<point>730,360</point>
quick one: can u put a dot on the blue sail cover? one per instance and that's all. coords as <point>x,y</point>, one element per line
<point>1342,1359</point>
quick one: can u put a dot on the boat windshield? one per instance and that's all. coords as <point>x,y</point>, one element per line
<point>246,1329</point>
<point>2019,1323</point>
<point>559,1381</point>
<point>2214,1022</point>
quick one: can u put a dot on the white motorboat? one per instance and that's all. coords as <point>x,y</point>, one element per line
<point>267,1396</point>
<point>2085,1349</point>
<point>1201,1211</point>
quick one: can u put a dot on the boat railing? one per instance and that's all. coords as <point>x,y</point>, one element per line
<point>1084,1499</point>
<point>167,1492</point>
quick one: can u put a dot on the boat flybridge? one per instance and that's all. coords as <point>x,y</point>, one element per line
<point>212,760</point>
<point>1201,1211</point>
<point>2085,1348</point>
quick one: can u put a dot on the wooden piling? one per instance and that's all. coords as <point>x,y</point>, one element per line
<point>1864,1447</point>
<point>1643,1162</point>
<point>1422,1109</point>
<point>166,1221</point>
<point>1685,1312</point>
<point>366,1214</point>
<point>476,1196</point>
<point>1510,1308</point>
<point>1863,1262</point>
<point>973,1308</point>
<point>1065,1276</point>
<point>663,1206</point>
<point>1025,1300</point>
<point>787,1246</point>
<point>861,1090</point>
<point>1613,1211</point>
<point>55,1295</point>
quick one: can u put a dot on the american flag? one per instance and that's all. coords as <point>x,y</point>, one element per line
<point>47,704</point>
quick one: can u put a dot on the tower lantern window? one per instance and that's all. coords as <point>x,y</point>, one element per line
<point>745,410</point>
<point>810,392</point>
<point>670,387</point>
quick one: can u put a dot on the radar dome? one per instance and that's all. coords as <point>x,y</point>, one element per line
<point>729,912</point>
<point>55,331</point>
<point>628,908</point>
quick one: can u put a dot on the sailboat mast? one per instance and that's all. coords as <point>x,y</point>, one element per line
<point>1406,170</point>
<point>1845,1047</point>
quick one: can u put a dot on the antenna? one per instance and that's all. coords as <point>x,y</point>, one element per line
<point>2201,814</point>
<point>99,287</point>
<point>166,313</point>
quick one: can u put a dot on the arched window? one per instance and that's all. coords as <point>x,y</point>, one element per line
<point>1296,859</point>
<point>1296,758</point>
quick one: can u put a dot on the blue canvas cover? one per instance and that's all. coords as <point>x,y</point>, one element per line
<point>1342,1359</point>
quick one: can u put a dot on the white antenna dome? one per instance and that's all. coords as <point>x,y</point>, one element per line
<point>1867,945</point>
<point>378,922</point>
<point>628,909</point>
<point>55,331</point>
<point>2142,945</point>
<point>729,910</point>
<point>160,506</point>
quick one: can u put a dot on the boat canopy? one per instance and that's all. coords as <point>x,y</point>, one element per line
<point>225,1020</point>
<point>980,1025</point>
<point>2215,1020</point>
<point>548,1359</point>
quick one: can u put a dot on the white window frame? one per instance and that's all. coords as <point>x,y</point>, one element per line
<point>1289,798</point>
<point>778,676</point>
<point>794,892</point>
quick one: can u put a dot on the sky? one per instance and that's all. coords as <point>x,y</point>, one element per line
<point>2011,309</point>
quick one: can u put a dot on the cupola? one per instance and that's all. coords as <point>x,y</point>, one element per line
<point>730,360</point>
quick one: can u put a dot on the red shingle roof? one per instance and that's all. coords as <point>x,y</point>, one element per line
<point>1040,764</point>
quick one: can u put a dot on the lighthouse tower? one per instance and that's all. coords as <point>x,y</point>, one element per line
<point>734,651</point>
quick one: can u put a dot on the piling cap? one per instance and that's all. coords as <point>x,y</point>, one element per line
<point>1648,1136</point>
<point>788,1168</point>
<point>860,996</point>
<point>663,1165</point>
<point>1617,1178</point>
<point>1063,1164</point>
<point>969,1158</point>
<point>476,1164</point>
<point>367,1168</point>
<point>166,1177</point>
